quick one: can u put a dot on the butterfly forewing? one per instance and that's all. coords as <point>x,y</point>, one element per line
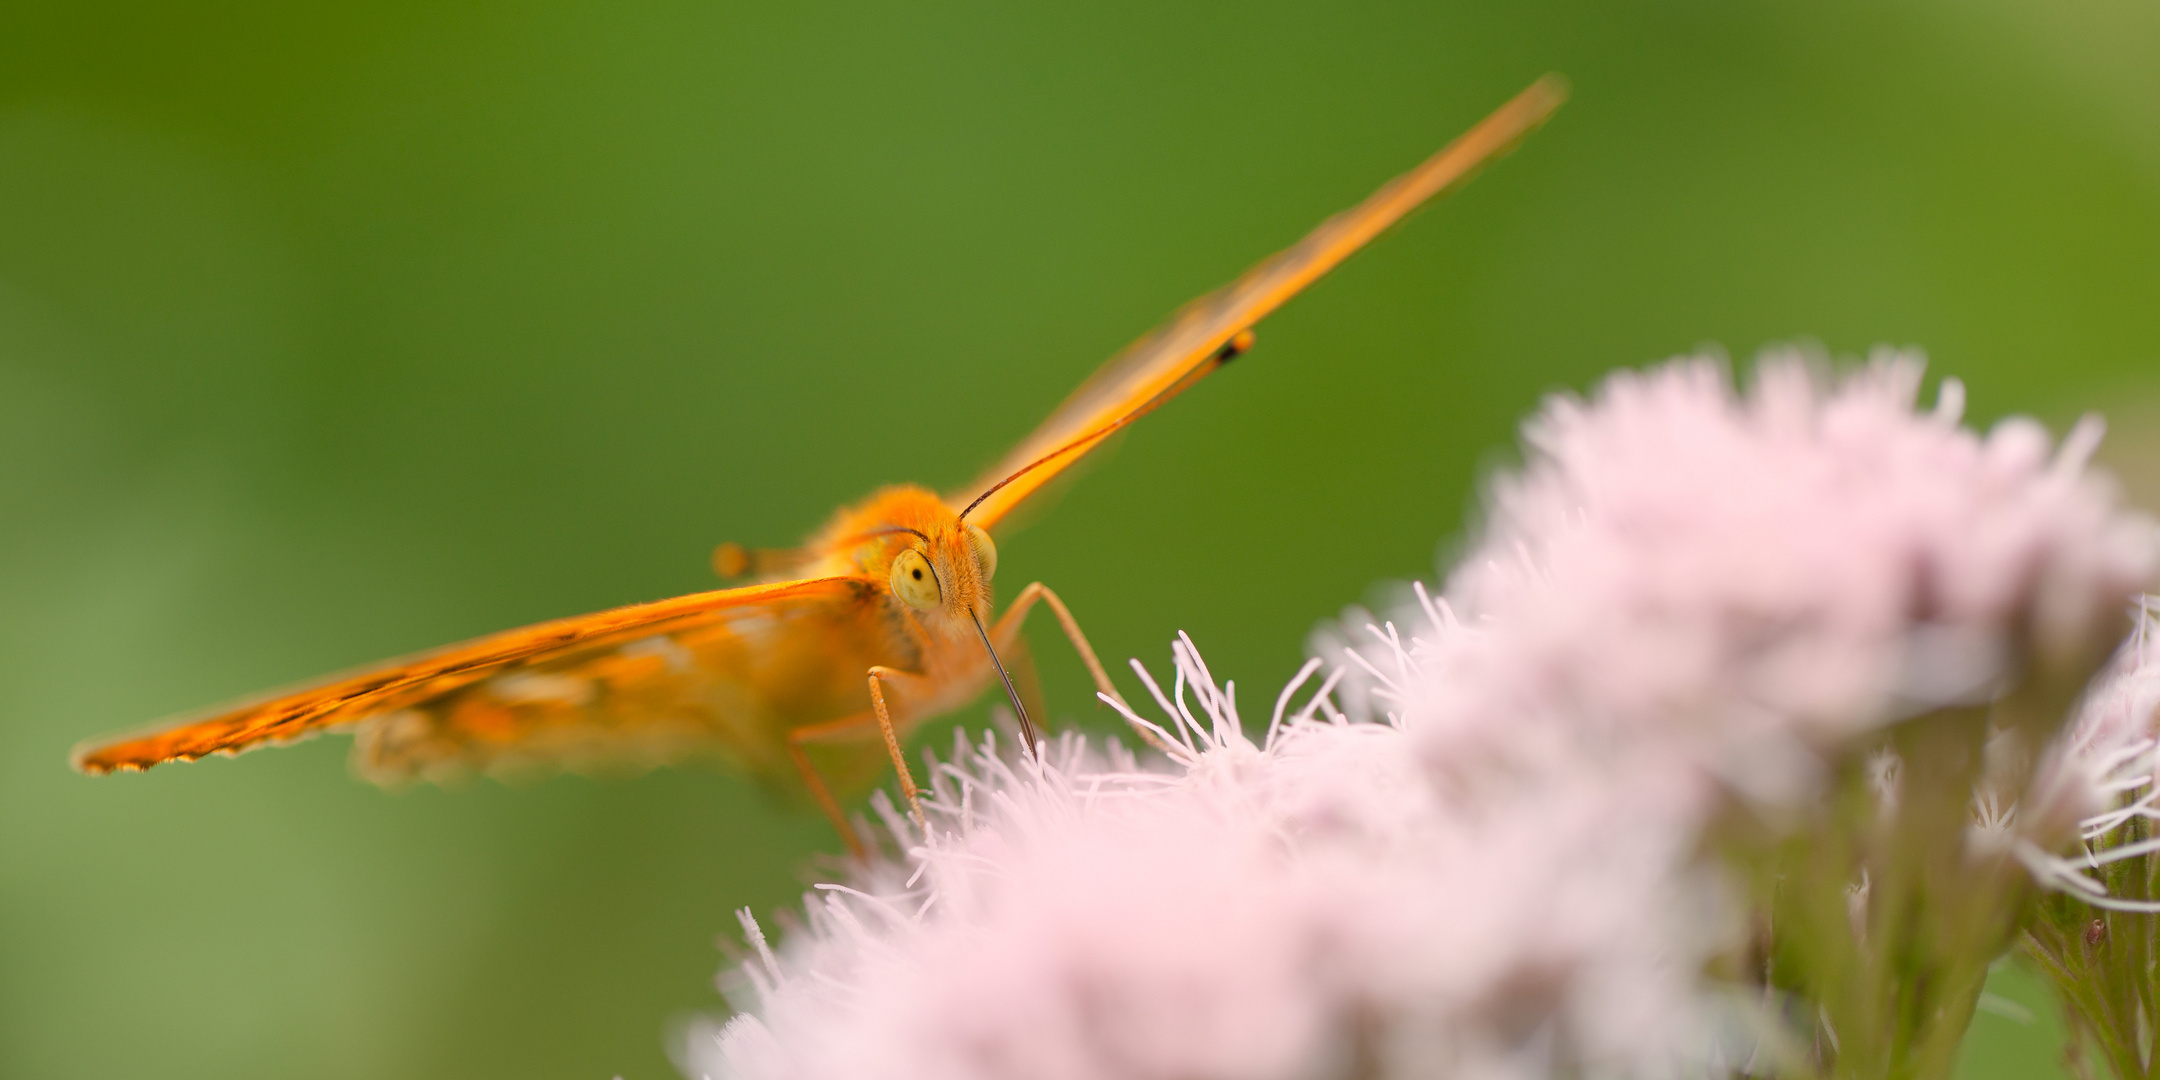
<point>1174,355</point>
<point>722,673</point>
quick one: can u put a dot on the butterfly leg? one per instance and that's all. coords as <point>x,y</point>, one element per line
<point>1007,630</point>
<point>879,676</point>
<point>796,738</point>
<point>845,728</point>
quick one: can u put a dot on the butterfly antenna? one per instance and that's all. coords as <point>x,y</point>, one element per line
<point>1230,350</point>
<point>1027,726</point>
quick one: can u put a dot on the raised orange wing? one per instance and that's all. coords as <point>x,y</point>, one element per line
<point>721,671</point>
<point>1207,332</point>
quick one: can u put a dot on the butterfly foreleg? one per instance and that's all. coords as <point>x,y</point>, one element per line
<point>855,727</point>
<point>732,560</point>
<point>1007,631</point>
<point>879,676</point>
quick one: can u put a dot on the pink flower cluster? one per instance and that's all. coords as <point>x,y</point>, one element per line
<point>1729,585</point>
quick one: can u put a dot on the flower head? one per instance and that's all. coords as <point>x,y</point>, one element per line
<point>2104,773</point>
<point>1307,906</point>
<point>1758,578</point>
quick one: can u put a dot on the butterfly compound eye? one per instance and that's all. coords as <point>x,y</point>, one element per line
<point>985,551</point>
<point>913,582</point>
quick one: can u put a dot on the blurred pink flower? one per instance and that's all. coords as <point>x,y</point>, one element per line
<point>1743,579</point>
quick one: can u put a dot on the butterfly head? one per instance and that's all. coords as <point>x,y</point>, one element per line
<point>946,572</point>
<point>936,564</point>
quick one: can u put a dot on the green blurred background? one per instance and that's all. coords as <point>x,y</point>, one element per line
<point>332,330</point>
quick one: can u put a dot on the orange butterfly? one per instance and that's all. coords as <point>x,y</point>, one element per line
<point>879,622</point>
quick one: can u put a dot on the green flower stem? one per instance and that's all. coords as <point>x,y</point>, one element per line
<point>2102,963</point>
<point>1894,970</point>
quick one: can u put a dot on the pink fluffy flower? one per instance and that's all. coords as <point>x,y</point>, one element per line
<point>1307,906</point>
<point>2104,775</point>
